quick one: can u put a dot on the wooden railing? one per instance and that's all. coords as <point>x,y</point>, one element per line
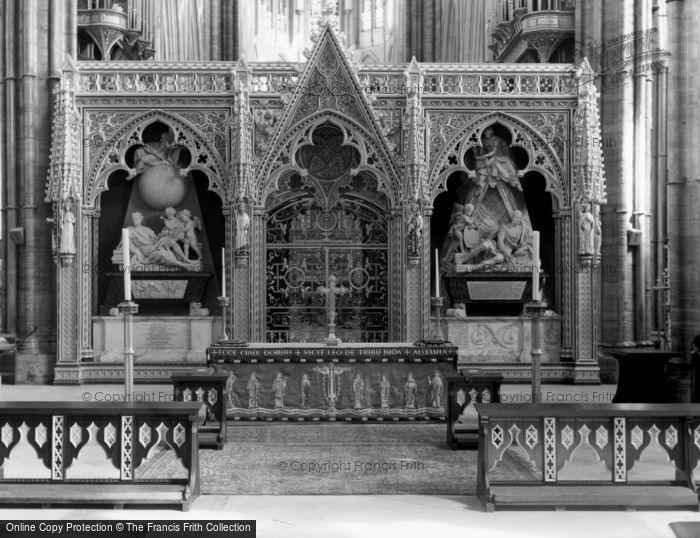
<point>54,444</point>
<point>588,455</point>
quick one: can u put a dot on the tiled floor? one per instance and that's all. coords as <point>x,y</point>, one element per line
<point>370,516</point>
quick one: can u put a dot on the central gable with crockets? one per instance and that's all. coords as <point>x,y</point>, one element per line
<point>327,91</point>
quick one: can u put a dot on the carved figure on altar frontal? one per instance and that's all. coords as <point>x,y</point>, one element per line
<point>384,390</point>
<point>586,230</point>
<point>410,389</point>
<point>305,391</point>
<point>436,387</point>
<point>147,248</point>
<point>358,388</point>
<point>253,391</point>
<point>279,389</point>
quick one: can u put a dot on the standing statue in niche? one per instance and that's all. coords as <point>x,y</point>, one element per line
<point>67,230</point>
<point>415,230</point>
<point>586,238</point>
<point>242,228</point>
<point>598,235</point>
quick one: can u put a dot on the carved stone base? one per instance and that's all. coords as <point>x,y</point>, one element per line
<point>502,345</point>
<point>159,339</point>
<point>504,339</point>
<point>82,373</point>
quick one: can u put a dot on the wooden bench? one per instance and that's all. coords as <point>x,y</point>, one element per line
<point>588,456</point>
<point>49,439</point>
<point>211,389</point>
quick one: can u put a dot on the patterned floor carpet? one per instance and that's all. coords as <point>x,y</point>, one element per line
<point>331,459</point>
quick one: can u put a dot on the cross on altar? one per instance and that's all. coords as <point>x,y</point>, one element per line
<point>331,291</point>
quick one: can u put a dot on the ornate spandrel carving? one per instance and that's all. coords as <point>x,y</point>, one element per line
<point>265,119</point>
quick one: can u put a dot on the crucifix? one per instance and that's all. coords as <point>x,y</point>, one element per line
<point>331,291</point>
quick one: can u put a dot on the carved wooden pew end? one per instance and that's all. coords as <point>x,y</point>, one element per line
<point>589,456</point>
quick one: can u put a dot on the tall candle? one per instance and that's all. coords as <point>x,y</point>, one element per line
<point>536,266</point>
<point>223,272</point>
<point>437,275</point>
<point>126,254</point>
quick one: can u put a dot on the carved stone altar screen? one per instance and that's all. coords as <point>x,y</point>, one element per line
<point>331,169</point>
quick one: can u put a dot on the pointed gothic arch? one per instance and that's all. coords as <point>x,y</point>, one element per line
<point>284,157</point>
<point>111,156</point>
<point>542,158</point>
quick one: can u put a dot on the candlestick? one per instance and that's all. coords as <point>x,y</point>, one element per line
<point>223,272</point>
<point>536,266</point>
<point>126,253</point>
<point>437,275</point>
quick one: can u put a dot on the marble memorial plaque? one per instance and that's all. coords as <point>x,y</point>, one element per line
<point>159,335</point>
<point>496,290</point>
<point>159,289</point>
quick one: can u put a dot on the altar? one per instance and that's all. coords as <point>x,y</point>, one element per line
<point>344,382</point>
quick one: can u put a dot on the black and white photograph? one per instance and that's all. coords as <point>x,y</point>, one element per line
<point>349,268</point>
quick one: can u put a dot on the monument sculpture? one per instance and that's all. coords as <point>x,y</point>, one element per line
<point>151,251</point>
<point>491,226</point>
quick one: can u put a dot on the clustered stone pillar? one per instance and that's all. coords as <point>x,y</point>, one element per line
<point>684,169</point>
<point>31,72</point>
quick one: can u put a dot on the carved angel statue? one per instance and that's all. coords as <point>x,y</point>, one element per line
<point>189,239</point>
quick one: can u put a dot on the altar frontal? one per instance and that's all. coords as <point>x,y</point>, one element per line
<point>348,382</point>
